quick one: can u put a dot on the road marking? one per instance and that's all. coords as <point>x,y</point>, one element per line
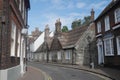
<point>46,76</point>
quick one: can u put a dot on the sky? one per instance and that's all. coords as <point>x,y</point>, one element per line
<point>45,12</point>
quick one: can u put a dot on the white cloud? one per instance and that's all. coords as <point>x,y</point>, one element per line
<point>80,5</point>
<point>99,5</point>
<point>66,20</point>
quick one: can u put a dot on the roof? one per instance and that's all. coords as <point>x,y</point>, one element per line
<point>40,45</point>
<point>68,39</point>
<point>107,8</point>
<point>39,41</point>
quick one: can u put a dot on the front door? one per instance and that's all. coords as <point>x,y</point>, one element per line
<point>100,54</point>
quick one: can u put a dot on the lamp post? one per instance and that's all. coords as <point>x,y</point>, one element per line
<point>24,33</point>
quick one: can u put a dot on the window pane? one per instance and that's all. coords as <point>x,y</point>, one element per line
<point>119,42</point>
<point>107,46</point>
<point>117,15</point>
<point>107,24</point>
<point>99,27</point>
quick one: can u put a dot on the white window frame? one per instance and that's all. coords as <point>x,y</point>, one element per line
<point>18,48</point>
<point>13,38</point>
<point>118,45</point>
<point>99,27</point>
<point>45,56</point>
<point>117,15</point>
<point>50,56</point>
<point>68,54</point>
<point>111,46</point>
<point>23,9</point>
<point>20,5</point>
<point>107,23</point>
<point>59,55</point>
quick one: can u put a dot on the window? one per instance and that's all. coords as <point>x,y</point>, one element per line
<point>108,45</point>
<point>99,27</point>
<point>13,38</point>
<point>117,15</point>
<point>20,5</point>
<point>118,45</point>
<point>59,55</point>
<point>23,9</point>
<point>107,23</point>
<point>67,55</point>
<point>18,46</point>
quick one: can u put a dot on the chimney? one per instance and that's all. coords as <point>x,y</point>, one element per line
<point>58,26</point>
<point>46,32</point>
<point>113,0</point>
<point>92,15</point>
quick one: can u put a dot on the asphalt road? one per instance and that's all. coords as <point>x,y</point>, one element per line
<point>61,73</point>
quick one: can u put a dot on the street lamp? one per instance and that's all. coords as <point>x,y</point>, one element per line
<point>24,33</point>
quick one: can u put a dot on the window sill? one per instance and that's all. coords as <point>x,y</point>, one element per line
<point>109,55</point>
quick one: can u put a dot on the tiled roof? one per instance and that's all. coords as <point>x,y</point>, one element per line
<point>107,8</point>
<point>70,38</point>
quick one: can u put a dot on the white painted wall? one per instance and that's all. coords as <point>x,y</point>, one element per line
<point>39,41</point>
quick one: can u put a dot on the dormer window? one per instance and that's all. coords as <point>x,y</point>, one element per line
<point>99,27</point>
<point>107,23</point>
<point>117,15</point>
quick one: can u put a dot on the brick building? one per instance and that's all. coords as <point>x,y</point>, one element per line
<point>13,30</point>
<point>108,34</point>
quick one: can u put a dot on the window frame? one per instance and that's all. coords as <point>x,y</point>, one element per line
<point>111,44</point>
<point>59,55</point>
<point>107,23</point>
<point>116,21</point>
<point>99,27</point>
<point>118,45</point>
<point>18,42</point>
<point>13,38</point>
<point>68,55</point>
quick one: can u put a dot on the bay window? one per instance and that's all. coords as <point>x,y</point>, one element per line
<point>108,47</point>
<point>118,45</point>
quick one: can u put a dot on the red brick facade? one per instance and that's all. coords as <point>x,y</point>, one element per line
<point>9,11</point>
<point>109,11</point>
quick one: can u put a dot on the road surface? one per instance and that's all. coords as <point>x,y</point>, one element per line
<point>61,73</point>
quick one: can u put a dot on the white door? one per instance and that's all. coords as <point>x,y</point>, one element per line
<point>100,54</point>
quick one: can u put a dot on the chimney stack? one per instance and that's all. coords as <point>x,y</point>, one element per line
<point>92,15</point>
<point>58,26</point>
<point>46,32</point>
<point>113,0</point>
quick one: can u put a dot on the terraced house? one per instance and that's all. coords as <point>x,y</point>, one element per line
<point>72,47</point>
<point>108,34</point>
<point>13,30</point>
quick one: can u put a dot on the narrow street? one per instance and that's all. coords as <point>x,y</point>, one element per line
<point>60,73</point>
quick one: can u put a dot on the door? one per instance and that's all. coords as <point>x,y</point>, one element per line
<point>100,54</point>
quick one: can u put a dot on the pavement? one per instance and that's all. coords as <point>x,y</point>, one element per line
<point>37,74</point>
<point>33,74</point>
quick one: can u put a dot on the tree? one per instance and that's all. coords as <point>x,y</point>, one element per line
<point>64,29</point>
<point>76,23</point>
<point>86,20</point>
